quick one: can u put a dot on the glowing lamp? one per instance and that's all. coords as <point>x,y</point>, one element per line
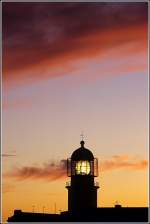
<point>82,167</point>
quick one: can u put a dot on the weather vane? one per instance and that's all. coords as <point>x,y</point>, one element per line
<point>82,136</point>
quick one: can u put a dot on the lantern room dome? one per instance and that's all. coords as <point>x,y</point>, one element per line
<point>82,153</point>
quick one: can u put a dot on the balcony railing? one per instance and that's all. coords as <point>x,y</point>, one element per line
<point>96,184</point>
<point>68,184</point>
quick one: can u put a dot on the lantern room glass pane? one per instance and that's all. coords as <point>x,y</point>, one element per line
<point>82,167</point>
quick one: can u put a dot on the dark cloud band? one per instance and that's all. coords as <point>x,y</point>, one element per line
<point>37,32</point>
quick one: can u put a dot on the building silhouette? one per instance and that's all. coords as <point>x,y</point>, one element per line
<point>82,168</point>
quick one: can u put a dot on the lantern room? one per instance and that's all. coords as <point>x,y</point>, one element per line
<point>82,162</point>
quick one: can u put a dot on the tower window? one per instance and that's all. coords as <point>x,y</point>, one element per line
<point>82,167</point>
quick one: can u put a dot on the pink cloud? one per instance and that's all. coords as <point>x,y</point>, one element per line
<point>123,162</point>
<point>47,53</point>
<point>53,171</point>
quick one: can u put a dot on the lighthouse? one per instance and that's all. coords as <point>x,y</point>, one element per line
<point>82,167</point>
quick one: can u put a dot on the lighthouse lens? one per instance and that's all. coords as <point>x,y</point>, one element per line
<point>82,167</point>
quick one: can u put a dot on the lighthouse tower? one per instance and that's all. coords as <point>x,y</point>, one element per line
<point>82,167</point>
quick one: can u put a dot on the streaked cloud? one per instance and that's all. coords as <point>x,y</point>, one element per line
<point>49,171</point>
<point>8,155</point>
<point>54,171</point>
<point>51,36</point>
<point>123,162</point>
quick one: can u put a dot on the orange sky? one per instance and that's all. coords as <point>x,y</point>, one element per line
<point>74,68</point>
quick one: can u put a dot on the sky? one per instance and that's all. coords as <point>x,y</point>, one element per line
<point>70,68</point>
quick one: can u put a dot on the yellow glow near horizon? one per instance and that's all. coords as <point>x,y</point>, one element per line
<point>82,167</point>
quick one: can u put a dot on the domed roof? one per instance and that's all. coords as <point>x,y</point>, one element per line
<point>82,153</point>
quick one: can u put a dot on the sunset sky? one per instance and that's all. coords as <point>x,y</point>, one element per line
<point>70,68</point>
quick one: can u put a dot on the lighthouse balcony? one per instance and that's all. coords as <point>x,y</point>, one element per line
<point>96,184</point>
<point>68,184</point>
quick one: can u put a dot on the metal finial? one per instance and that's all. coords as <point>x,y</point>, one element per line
<point>82,136</point>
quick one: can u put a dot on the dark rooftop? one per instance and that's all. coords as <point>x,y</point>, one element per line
<point>82,153</point>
